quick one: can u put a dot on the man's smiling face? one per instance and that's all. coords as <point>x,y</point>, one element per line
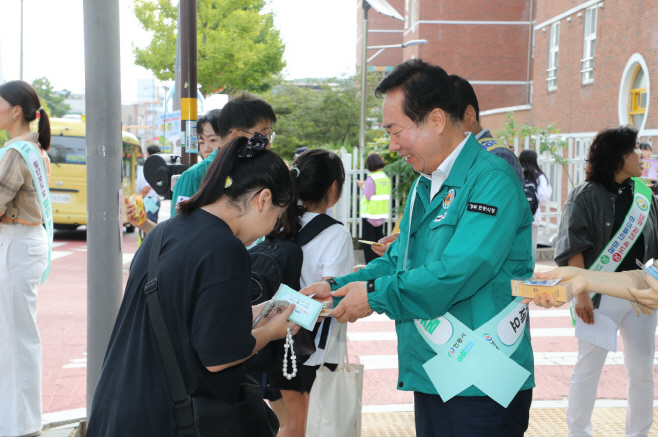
<point>418,145</point>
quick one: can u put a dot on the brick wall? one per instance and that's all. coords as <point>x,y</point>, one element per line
<point>624,27</point>
<point>477,52</point>
<point>377,21</point>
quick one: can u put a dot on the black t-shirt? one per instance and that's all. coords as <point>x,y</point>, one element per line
<point>623,203</point>
<point>203,279</point>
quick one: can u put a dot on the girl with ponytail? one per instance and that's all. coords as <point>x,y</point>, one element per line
<point>24,255</point>
<point>204,277</point>
<point>318,177</point>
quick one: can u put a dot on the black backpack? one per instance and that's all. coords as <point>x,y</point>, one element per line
<point>278,260</point>
<point>530,190</point>
<point>275,261</point>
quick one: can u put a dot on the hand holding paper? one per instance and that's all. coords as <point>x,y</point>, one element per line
<point>306,311</point>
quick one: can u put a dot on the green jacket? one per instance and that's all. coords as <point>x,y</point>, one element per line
<point>190,181</point>
<point>460,260</point>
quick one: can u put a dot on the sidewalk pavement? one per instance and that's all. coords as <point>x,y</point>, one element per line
<point>547,418</point>
<point>544,422</point>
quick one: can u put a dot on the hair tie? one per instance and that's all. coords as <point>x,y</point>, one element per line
<point>256,143</point>
<point>39,112</point>
<point>294,167</point>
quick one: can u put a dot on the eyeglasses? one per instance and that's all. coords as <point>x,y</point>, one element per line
<point>270,137</point>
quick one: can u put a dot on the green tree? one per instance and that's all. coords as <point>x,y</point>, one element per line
<point>52,101</point>
<point>238,46</point>
<point>320,113</point>
<point>545,136</point>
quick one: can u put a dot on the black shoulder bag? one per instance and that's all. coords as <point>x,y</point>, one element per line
<point>197,416</point>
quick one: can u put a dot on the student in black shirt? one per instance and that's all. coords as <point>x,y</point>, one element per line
<point>204,278</point>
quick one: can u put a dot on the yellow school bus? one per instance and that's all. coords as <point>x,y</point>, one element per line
<point>68,171</point>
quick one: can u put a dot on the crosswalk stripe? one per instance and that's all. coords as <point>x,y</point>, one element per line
<point>533,314</point>
<point>378,362</point>
<point>600,403</point>
<point>56,254</point>
<point>392,336</point>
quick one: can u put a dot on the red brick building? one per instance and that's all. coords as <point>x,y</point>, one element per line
<point>487,42</point>
<point>606,53</point>
<point>579,65</point>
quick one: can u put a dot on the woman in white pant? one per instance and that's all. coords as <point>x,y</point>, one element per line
<point>23,257</point>
<point>608,223</point>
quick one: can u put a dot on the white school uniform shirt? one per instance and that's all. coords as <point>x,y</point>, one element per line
<point>544,192</point>
<point>330,254</point>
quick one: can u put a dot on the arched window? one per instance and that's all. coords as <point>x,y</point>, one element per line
<point>634,93</point>
<point>637,100</point>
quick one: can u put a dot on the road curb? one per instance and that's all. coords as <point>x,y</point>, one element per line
<point>59,418</point>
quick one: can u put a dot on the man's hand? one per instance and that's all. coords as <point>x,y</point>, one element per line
<point>386,241</point>
<point>321,290</point>
<point>585,308</point>
<point>354,305</point>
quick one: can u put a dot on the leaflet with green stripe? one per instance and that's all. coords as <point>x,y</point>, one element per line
<point>623,240</point>
<point>33,159</point>
<point>477,358</point>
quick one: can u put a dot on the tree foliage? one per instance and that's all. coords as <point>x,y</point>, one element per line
<point>238,46</point>
<point>545,137</point>
<point>321,113</point>
<point>52,101</point>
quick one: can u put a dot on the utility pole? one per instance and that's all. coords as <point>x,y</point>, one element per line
<point>21,40</point>
<point>364,76</point>
<point>188,82</point>
<point>104,197</point>
<point>175,104</point>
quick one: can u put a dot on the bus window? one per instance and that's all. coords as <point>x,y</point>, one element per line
<point>127,161</point>
<point>67,150</point>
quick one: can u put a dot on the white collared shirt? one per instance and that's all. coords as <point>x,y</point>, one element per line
<point>439,176</point>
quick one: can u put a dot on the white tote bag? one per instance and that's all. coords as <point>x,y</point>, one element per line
<point>335,401</point>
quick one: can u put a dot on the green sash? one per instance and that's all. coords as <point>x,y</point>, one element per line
<point>621,242</point>
<point>633,225</point>
<point>479,358</point>
<point>33,159</point>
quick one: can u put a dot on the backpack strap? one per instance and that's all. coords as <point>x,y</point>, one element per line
<point>314,228</point>
<point>182,402</point>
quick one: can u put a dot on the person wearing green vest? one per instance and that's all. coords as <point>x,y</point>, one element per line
<point>374,203</point>
<point>608,223</point>
<point>242,116</point>
<point>462,344</point>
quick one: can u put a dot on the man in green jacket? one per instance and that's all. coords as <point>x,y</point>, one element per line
<point>462,344</point>
<point>242,116</point>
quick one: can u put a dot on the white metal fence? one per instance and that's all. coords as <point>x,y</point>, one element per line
<point>347,208</point>
<point>562,179</point>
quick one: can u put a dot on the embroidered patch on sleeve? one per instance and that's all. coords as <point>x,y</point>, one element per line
<point>480,207</point>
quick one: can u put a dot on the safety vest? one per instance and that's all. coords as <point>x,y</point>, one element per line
<point>377,206</point>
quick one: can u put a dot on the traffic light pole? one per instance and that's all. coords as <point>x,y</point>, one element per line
<point>104,153</point>
<point>188,82</point>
